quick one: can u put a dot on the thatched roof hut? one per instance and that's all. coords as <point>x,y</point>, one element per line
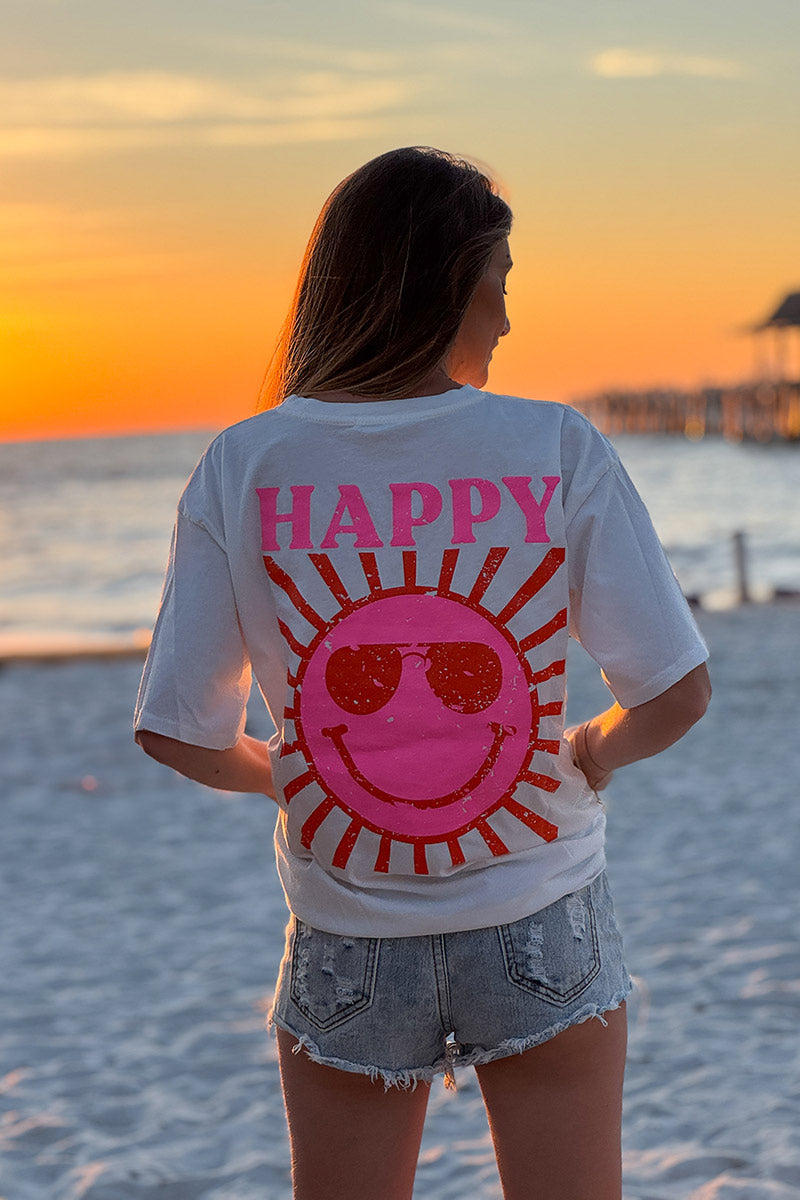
<point>787,313</point>
<point>785,318</point>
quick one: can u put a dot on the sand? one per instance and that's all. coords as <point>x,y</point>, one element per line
<point>143,923</point>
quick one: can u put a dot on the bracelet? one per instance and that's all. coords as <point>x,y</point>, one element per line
<point>588,753</point>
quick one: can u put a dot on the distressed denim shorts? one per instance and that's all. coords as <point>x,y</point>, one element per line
<point>408,1008</point>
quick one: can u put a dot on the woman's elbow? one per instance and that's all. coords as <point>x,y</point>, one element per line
<point>694,694</point>
<point>155,745</point>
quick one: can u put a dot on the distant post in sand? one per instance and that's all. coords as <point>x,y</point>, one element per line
<point>740,559</point>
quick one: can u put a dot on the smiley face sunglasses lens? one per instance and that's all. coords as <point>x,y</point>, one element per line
<point>465,676</point>
<point>361,679</point>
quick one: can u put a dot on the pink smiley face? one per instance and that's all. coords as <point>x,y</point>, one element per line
<point>416,713</point>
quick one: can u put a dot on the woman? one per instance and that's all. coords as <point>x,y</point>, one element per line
<point>400,558</point>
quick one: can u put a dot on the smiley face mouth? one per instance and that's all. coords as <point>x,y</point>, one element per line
<point>500,733</point>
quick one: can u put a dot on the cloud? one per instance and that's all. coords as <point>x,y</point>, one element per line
<point>622,62</point>
<point>49,142</point>
<point>284,50</point>
<point>414,64</point>
<point>128,110</point>
<point>121,97</point>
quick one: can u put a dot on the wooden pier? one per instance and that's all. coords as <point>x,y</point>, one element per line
<point>764,410</point>
<point>759,412</point>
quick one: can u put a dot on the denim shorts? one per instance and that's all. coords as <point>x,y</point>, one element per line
<point>408,1008</point>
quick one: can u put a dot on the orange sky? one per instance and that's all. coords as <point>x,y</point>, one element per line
<point>160,183</point>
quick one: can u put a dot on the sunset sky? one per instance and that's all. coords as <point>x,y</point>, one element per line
<point>162,163</point>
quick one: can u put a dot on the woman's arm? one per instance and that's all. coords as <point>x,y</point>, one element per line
<point>620,736</point>
<point>245,767</point>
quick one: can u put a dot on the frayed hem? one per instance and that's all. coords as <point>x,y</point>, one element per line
<point>479,1057</point>
<point>448,1064</point>
<point>405,1080</point>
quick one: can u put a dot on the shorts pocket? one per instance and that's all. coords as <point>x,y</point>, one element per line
<point>555,953</point>
<point>332,977</point>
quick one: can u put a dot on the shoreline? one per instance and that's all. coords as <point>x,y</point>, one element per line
<point>54,647</point>
<point>37,648</point>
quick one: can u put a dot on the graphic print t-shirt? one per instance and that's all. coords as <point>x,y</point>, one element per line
<point>403,577</point>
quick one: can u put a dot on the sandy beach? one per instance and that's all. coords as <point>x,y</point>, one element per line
<point>143,924</point>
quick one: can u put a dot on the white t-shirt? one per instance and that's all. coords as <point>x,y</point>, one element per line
<point>403,576</point>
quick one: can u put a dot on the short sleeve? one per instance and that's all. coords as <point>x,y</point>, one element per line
<point>626,606</point>
<point>196,679</point>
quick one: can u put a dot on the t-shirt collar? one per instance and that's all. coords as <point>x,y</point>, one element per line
<point>380,411</point>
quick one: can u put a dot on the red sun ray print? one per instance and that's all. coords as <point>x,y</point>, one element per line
<point>416,711</point>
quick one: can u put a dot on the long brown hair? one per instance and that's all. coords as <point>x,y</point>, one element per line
<point>389,271</point>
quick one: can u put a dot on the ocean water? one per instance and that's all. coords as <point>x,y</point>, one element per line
<point>85,524</point>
